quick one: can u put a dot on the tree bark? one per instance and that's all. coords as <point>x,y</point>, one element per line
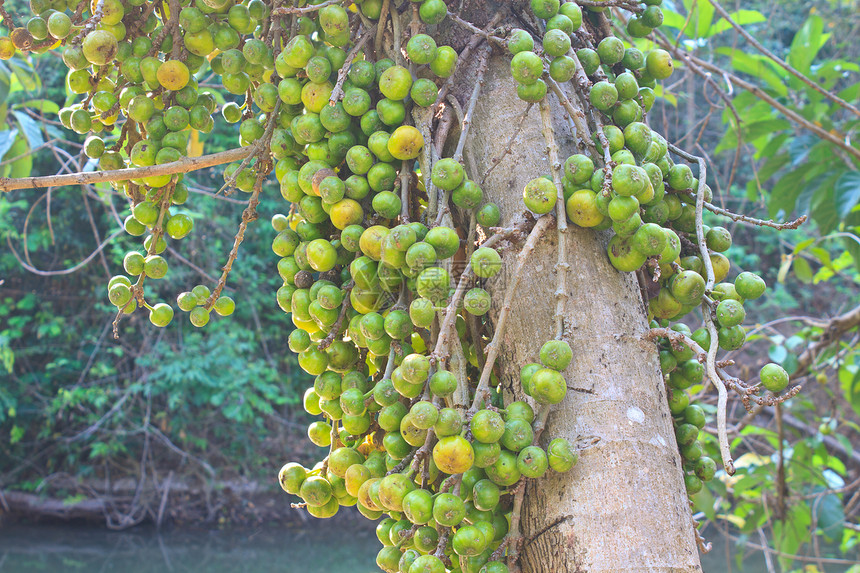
<point>624,506</point>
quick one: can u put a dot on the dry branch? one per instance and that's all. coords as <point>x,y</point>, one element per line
<point>184,165</point>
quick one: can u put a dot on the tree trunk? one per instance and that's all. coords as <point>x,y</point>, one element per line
<point>624,506</point>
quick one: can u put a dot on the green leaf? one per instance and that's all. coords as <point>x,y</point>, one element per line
<point>822,206</point>
<point>659,92</point>
<point>742,17</point>
<point>800,148</point>
<point>777,354</point>
<point>704,502</point>
<point>849,380</point>
<point>802,270</point>
<point>802,245</point>
<point>31,129</point>
<point>7,358</point>
<point>847,192</point>
<point>672,19</point>
<point>703,18</point>
<point>42,105</point>
<point>767,127</point>
<point>791,533</point>
<point>757,66</point>
<point>846,443</point>
<point>850,93</point>
<point>25,74</point>
<point>767,170</point>
<point>831,516</point>
<point>7,138</point>
<point>5,82</point>
<point>790,364</point>
<point>23,166</point>
<point>794,341</point>
<point>831,71</point>
<point>806,44</point>
<point>16,434</point>
<point>823,256</point>
<point>784,194</point>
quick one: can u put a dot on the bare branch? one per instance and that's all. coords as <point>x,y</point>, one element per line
<point>184,165</point>
<point>286,10</point>
<point>466,122</point>
<point>495,345</point>
<point>561,216</point>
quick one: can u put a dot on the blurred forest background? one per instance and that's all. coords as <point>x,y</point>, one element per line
<point>185,425</point>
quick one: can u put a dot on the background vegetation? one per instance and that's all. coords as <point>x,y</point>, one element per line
<point>82,413</point>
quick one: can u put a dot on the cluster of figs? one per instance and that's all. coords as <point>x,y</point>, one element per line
<point>367,274</point>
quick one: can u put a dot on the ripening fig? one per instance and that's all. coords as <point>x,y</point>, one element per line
<point>773,377</point>
<point>659,64</point>
<point>99,47</point>
<point>526,67</point>
<point>730,313</point>
<point>611,50</point>
<point>447,174</point>
<point>545,9</point>
<point>749,285</point>
<point>453,455</point>
<point>556,354</point>
<point>603,95</point>
<point>540,195</point>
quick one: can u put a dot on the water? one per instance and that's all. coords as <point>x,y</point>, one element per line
<point>319,547</point>
<point>69,549</point>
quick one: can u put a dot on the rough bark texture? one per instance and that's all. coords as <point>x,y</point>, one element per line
<point>623,507</point>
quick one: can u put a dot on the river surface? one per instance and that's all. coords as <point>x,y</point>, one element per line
<point>265,550</point>
<point>317,548</point>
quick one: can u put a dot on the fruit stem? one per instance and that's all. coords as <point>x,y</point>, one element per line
<point>484,61</point>
<point>405,177</point>
<point>286,10</point>
<point>561,217</point>
<point>576,115</point>
<point>493,349</point>
<point>380,27</point>
<point>250,212</point>
<point>722,402</point>
<point>337,92</point>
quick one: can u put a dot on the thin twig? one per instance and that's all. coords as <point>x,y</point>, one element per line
<point>337,92</point>
<point>500,42</point>
<point>405,178</point>
<point>576,115</point>
<point>446,331</point>
<point>184,165</point>
<point>326,342</point>
<point>484,61</point>
<point>789,225</point>
<point>69,270</point>
<point>286,10</point>
<point>561,217</point>
<point>710,365</point>
<point>380,27</point>
<point>495,346</point>
<point>630,5</point>
<point>248,215</point>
